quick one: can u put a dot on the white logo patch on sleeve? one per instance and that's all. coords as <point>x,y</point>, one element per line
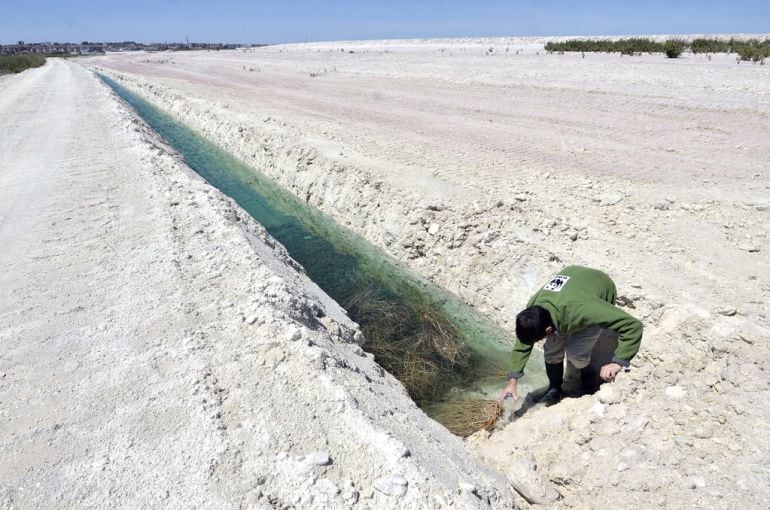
<point>556,283</point>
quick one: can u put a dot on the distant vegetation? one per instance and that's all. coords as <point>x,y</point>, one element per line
<point>710,46</point>
<point>623,46</point>
<point>673,48</point>
<point>18,63</point>
<point>751,49</point>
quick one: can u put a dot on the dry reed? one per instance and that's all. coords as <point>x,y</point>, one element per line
<point>466,417</point>
<point>417,344</point>
<point>491,372</point>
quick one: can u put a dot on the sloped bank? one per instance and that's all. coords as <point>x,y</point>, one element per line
<point>423,335</point>
<point>464,248</point>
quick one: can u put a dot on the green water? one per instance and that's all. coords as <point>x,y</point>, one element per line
<point>343,264</point>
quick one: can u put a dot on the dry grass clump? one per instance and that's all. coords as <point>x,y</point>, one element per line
<point>439,336</point>
<point>421,377</point>
<point>490,371</point>
<point>466,417</point>
<point>368,306</point>
<point>416,344</point>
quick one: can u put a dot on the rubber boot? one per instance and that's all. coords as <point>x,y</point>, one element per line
<point>555,373</point>
<point>589,381</point>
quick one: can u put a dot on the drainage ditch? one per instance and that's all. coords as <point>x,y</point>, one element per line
<point>441,350</point>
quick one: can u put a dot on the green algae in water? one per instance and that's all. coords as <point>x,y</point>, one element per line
<point>423,335</point>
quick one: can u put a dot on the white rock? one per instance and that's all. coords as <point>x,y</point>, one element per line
<point>611,199</point>
<point>433,229</point>
<point>467,487</point>
<point>318,459</point>
<point>629,453</point>
<point>751,248</point>
<point>598,408</point>
<point>696,482</point>
<point>293,334</point>
<point>675,392</point>
<point>392,485</point>
<point>326,486</point>
<point>637,424</point>
<point>608,395</point>
<point>350,495</point>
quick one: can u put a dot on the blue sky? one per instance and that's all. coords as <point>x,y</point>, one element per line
<point>242,21</point>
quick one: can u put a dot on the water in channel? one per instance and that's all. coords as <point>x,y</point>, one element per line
<point>438,347</point>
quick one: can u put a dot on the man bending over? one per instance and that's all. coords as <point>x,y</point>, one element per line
<point>571,311</point>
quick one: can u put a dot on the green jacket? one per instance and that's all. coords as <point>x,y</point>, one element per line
<point>577,298</point>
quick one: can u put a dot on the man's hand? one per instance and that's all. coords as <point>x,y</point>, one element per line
<point>510,390</point>
<point>609,371</point>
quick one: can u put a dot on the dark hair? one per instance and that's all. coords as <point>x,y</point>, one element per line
<point>531,324</point>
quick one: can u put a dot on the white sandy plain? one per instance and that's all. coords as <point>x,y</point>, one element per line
<point>486,171</point>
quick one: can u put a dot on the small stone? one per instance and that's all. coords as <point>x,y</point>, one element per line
<point>467,487</point>
<point>293,334</point>
<point>573,236</point>
<point>613,199</point>
<point>251,319</point>
<point>520,198</point>
<point>751,248</point>
<point>622,466</point>
<point>696,482</point>
<point>704,431</point>
<point>675,392</point>
<point>433,229</point>
<point>326,486</point>
<point>598,408</point>
<point>318,459</point>
<point>638,424</point>
<point>617,412</point>
<point>392,485</point>
<point>629,453</point>
<point>350,495</point>
<point>274,357</point>
<point>722,345</point>
<point>253,497</point>
<point>359,338</point>
<point>727,312</point>
<point>608,395</point>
